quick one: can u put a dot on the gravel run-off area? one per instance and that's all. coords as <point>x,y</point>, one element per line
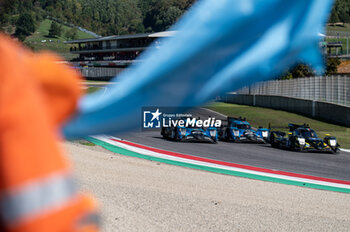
<point>141,195</point>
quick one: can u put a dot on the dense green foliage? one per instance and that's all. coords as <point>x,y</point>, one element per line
<point>332,66</point>
<point>298,71</point>
<point>104,17</point>
<point>108,17</point>
<point>304,70</point>
<point>340,12</point>
<point>72,34</point>
<point>55,30</point>
<point>24,26</point>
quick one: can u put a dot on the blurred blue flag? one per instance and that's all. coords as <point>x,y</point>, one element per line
<point>220,46</point>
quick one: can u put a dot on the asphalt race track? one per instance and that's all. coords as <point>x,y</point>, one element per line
<point>259,155</point>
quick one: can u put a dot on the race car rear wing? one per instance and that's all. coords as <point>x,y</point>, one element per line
<point>291,126</point>
<point>228,121</point>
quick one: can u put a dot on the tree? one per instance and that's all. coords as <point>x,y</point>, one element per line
<point>286,76</point>
<point>102,16</point>
<point>302,70</point>
<point>71,33</point>
<point>298,71</point>
<point>128,17</point>
<point>55,30</point>
<point>6,7</point>
<point>158,15</point>
<point>332,66</point>
<point>169,17</point>
<point>334,17</point>
<point>342,9</point>
<point>24,26</point>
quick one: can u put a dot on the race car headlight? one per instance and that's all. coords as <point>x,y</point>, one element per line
<point>333,142</point>
<point>182,131</point>
<point>301,141</point>
<point>265,134</point>
<point>212,133</point>
<point>235,132</point>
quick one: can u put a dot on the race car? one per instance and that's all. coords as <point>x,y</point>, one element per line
<point>303,138</point>
<point>239,130</point>
<point>190,134</point>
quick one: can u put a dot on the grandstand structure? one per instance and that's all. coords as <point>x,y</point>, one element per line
<point>113,51</point>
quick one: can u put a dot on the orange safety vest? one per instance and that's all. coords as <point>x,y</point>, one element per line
<point>37,192</point>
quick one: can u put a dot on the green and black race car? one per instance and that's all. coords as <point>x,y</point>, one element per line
<point>303,138</point>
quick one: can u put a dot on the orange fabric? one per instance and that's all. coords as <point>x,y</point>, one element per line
<point>36,95</point>
<point>64,219</point>
<point>58,82</point>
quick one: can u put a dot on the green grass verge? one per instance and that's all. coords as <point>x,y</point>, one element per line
<point>92,90</point>
<point>339,27</point>
<point>56,45</point>
<point>99,82</point>
<point>258,116</point>
<point>344,44</point>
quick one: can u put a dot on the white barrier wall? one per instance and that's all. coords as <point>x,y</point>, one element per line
<point>331,89</point>
<point>100,73</point>
<point>324,111</point>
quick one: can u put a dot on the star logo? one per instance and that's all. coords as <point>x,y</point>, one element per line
<point>151,119</point>
<point>156,115</point>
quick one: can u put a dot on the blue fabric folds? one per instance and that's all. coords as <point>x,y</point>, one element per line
<point>220,46</point>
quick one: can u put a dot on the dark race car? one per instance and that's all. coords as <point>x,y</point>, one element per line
<point>239,130</point>
<point>303,138</point>
<point>190,134</point>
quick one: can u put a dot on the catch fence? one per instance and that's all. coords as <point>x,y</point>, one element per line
<point>330,89</point>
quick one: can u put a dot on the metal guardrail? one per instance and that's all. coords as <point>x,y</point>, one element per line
<point>330,89</point>
<point>338,34</point>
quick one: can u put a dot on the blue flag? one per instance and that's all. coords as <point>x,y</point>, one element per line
<point>219,46</point>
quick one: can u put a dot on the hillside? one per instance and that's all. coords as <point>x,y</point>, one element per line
<point>105,17</point>
<point>40,40</point>
<point>28,19</point>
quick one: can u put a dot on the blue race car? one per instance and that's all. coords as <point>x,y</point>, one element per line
<point>239,130</point>
<point>190,134</point>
